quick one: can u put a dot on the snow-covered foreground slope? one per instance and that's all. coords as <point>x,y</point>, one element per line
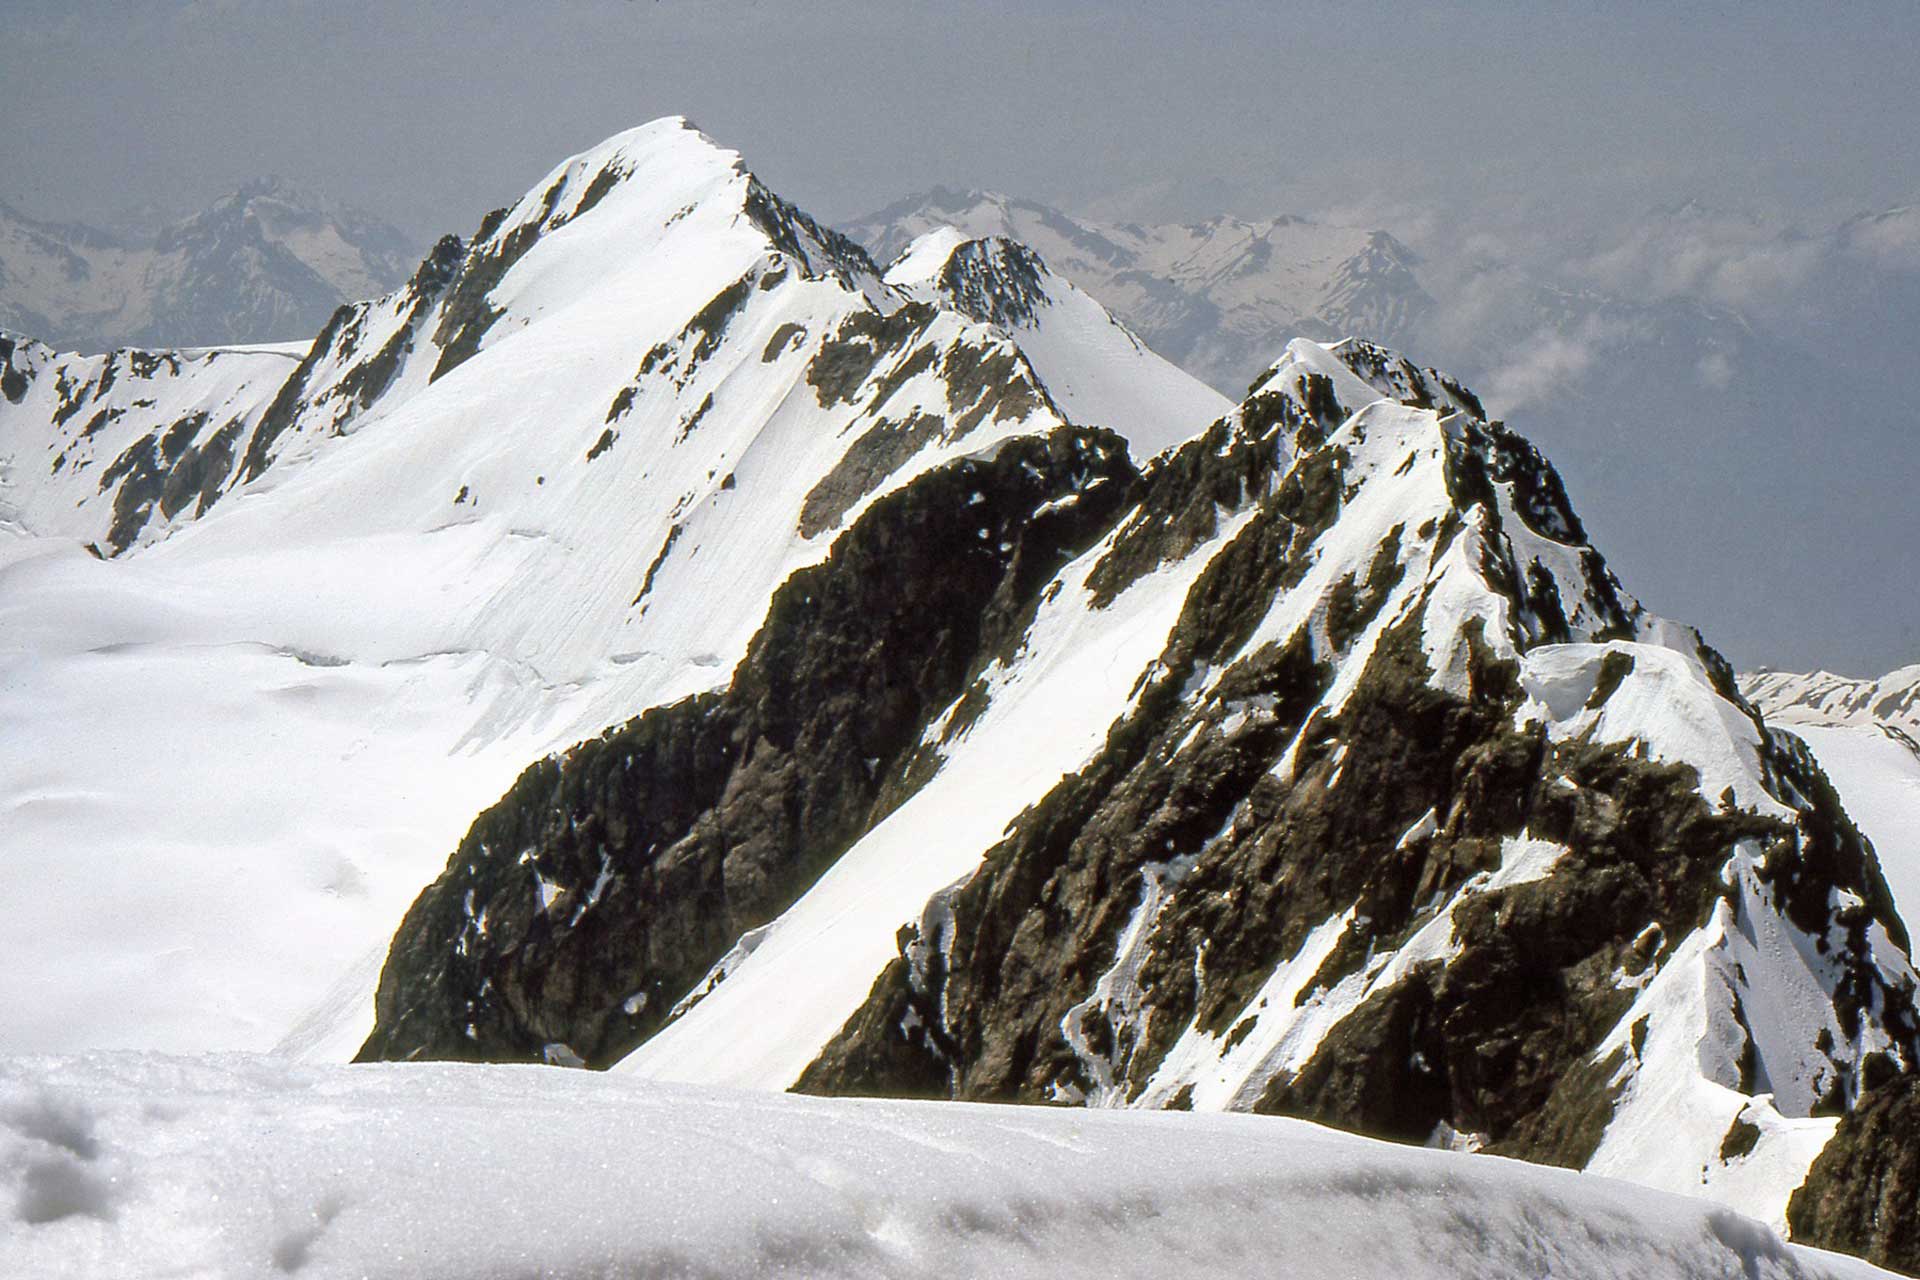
<point>137,1165</point>
<point>348,596</point>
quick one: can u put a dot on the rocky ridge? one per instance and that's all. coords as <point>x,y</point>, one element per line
<point>1410,820</point>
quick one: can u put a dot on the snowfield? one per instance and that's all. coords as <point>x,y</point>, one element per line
<point>144,1165</point>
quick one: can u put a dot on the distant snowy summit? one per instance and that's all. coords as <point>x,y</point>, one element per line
<point>1093,366</point>
<point>266,263</point>
<point>1212,296</point>
<point>552,480</point>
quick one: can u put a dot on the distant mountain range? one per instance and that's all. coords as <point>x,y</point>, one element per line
<point>266,263</point>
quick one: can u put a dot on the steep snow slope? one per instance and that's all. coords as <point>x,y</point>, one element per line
<point>1215,297</point>
<point>552,481</point>
<point>144,1165</point>
<point>1330,773</point>
<point>1866,735</point>
<point>267,262</point>
<point>1097,371</point>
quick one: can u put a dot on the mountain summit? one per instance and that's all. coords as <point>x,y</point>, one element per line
<point>1215,297</point>
<point>1329,773</point>
<point>552,480</point>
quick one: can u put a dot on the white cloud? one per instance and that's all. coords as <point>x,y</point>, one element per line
<point>1725,261</point>
<point>1715,370</point>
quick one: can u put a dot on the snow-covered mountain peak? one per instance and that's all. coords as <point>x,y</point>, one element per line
<point>552,481</point>
<point>891,727</point>
<point>662,196</point>
<point>990,278</point>
<point>1094,367</point>
<point>1217,296</point>
<point>1291,775</point>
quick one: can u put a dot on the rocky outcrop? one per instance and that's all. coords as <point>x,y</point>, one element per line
<point>1211,846</point>
<point>1862,1195</point>
<point>588,903</point>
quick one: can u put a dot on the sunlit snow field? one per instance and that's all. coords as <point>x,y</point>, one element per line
<point>142,1165</point>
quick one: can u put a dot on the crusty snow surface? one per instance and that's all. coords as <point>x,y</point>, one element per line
<point>144,1165</point>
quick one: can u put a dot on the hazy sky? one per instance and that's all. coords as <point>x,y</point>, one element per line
<point>430,113</point>
<point>1527,124</point>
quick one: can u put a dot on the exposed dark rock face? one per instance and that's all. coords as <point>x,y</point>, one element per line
<point>605,884</point>
<point>165,472</point>
<point>1490,1043</point>
<point>1862,1195</point>
<point>997,281</point>
<point>340,346</point>
<point>13,381</point>
<point>819,250</point>
<point>1241,836</point>
<point>468,313</point>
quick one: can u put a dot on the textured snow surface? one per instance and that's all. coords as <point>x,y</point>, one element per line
<point>139,1165</point>
<point>1747,972</point>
